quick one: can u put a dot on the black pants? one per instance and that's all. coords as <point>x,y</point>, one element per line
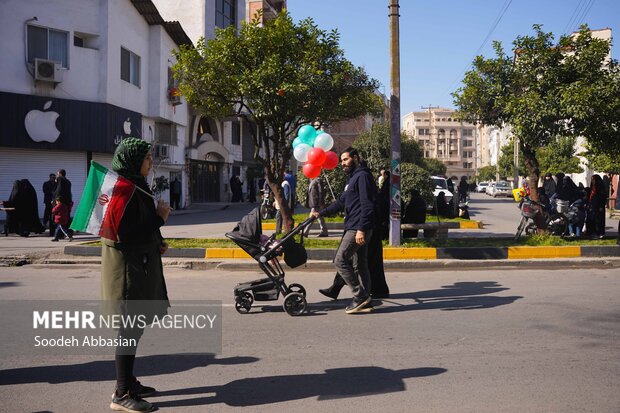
<point>124,360</point>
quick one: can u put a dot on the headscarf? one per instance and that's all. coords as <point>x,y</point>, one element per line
<point>128,158</point>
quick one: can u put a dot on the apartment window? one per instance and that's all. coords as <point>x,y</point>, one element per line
<point>468,154</point>
<point>78,41</point>
<point>236,133</point>
<point>130,67</point>
<point>468,165</point>
<point>224,13</point>
<point>467,132</point>
<point>44,43</point>
<point>468,142</point>
<point>427,154</point>
<point>423,132</point>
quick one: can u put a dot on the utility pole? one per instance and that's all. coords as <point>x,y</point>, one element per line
<point>395,197</point>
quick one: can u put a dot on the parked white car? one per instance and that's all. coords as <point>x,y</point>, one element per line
<point>441,185</point>
<point>502,189</point>
<point>482,187</point>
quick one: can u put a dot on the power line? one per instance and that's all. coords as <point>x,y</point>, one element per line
<point>581,20</point>
<point>499,17</point>
<point>574,15</point>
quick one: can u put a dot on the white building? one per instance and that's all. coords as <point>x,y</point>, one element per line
<point>217,149</point>
<point>442,136</point>
<point>78,76</point>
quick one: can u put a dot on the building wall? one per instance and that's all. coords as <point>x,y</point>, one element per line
<point>442,136</point>
<point>91,86</point>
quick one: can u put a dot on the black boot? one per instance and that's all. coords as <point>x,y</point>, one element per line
<point>333,291</point>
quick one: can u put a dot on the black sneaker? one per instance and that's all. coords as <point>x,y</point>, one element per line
<point>131,403</point>
<point>142,391</point>
<point>357,305</point>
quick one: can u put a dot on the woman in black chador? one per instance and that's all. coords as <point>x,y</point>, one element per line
<point>24,219</point>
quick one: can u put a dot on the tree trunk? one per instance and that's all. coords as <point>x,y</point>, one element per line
<point>534,175</point>
<point>285,210</point>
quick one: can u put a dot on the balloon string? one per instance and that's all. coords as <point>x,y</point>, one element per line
<point>329,186</point>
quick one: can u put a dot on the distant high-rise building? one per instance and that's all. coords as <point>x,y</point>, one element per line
<point>442,136</point>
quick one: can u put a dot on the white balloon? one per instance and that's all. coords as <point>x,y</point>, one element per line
<point>301,152</point>
<point>324,141</point>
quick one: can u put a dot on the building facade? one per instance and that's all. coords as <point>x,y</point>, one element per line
<point>216,149</point>
<point>77,78</point>
<point>442,136</point>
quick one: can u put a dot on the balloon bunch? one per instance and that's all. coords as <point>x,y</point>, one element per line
<point>313,148</point>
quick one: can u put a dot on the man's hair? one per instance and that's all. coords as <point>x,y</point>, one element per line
<point>351,151</point>
<point>62,172</point>
<point>53,175</point>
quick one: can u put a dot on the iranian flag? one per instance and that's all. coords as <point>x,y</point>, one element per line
<point>103,202</point>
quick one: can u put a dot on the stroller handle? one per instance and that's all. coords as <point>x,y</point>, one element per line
<point>299,228</point>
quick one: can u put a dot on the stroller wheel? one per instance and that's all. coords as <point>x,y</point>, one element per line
<point>295,304</point>
<point>243,303</point>
<point>297,288</point>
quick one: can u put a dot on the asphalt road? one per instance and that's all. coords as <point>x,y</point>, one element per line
<point>468,341</point>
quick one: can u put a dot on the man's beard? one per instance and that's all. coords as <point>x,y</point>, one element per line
<point>350,169</point>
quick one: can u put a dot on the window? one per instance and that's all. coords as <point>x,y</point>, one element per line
<point>468,165</point>
<point>468,154</point>
<point>224,13</point>
<point>78,41</point>
<point>44,43</point>
<point>467,132</point>
<point>166,133</point>
<point>427,154</point>
<point>423,132</point>
<point>130,67</point>
<point>236,133</point>
<point>468,142</point>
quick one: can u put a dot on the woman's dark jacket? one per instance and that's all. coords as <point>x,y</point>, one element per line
<point>132,267</point>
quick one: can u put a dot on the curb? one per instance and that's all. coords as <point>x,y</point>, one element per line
<point>395,254</point>
<point>334,226</point>
<point>413,266</point>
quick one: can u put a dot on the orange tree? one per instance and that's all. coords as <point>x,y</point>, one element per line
<point>278,76</point>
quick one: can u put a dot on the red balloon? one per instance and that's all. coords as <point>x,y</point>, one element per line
<point>311,171</point>
<point>316,156</point>
<point>331,160</point>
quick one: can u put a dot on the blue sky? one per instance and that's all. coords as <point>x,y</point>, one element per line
<point>439,39</point>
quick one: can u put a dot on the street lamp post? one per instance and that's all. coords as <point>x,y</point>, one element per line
<point>395,196</point>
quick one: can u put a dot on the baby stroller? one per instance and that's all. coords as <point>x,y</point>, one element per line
<point>265,250</point>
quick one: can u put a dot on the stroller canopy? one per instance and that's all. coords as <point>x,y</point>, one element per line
<point>247,233</point>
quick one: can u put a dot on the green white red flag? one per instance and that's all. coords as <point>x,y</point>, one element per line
<point>103,202</point>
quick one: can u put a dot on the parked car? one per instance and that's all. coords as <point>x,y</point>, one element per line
<point>441,185</point>
<point>490,188</point>
<point>482,187</point>
<point>502,189</point>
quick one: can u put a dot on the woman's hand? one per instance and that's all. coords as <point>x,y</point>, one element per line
<point>163,210</point>
<point>163,248</point>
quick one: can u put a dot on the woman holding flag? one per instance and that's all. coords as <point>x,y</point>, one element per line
<point>131,266</point>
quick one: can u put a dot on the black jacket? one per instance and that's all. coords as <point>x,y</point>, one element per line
<point>357,201</point>
<point>63,189</point>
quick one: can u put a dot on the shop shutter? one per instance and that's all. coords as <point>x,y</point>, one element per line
<point>36,166</point>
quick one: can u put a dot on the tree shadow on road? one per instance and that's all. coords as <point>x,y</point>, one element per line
<point>333,384</point>
<point>104,370</point>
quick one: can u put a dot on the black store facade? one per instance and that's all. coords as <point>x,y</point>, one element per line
<point>41,135</point>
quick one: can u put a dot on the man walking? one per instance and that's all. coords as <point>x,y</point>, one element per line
<point>315,203</point>
<point>176,189</point>
<point>49,187</point>
<point>357,201</point>
<point>63,188</point>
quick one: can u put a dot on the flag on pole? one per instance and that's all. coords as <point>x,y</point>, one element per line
<point>103,202</point>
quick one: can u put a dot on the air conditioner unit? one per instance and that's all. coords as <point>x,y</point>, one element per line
<point>161,151</point>
<point>47,71</point>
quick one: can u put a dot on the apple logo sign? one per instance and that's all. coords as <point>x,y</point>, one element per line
<point>127,127</point>
<point>41,126</point>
